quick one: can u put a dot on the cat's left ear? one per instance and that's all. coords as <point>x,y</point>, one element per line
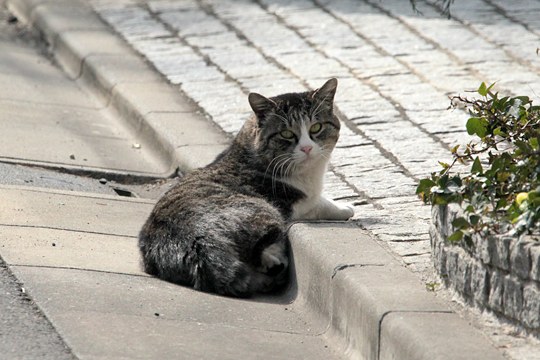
<point>326,93</point>
<point>261,105</point>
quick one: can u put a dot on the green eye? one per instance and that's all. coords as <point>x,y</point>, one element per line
<point>315,128</point>
<point>287,134</point>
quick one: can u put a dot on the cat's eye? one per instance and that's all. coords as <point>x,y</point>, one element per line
<point>287,134</point>
<point>315,128</point>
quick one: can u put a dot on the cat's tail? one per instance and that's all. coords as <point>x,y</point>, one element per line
<point>237,254</point>
<point>224,273</point>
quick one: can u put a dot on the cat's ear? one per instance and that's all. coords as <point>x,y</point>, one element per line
<point>261,105</point>
<point>325,94</point>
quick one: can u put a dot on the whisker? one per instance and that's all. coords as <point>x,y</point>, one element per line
<point>323,152</point>
<point>274,160</point>
<point>277,171</point>
<point>287,171</point>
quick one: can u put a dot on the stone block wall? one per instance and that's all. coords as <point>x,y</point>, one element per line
<point>497,273</point>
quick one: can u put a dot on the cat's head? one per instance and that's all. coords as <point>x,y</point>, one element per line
<point>295,131</point>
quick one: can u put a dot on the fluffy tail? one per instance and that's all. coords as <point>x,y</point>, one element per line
<point>216,266</point>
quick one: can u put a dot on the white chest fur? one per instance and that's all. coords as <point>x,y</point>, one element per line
<point>309,179</point>
<point>310,182</point>
<point>314,206</point>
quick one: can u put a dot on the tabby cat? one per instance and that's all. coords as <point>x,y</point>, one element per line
<point>222,228</point>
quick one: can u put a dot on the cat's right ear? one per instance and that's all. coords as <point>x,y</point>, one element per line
<point>261,105</point>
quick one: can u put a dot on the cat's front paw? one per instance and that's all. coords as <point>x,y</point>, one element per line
<point>331,210</point>
<point>344,211</point>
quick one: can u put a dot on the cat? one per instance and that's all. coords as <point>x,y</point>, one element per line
<point>222,228</point>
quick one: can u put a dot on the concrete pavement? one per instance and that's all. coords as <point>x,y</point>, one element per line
<point>352,294</point>
<point>75,131</point>
<point>76,255</point>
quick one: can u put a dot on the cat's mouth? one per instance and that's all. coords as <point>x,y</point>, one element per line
<point>308,159</point>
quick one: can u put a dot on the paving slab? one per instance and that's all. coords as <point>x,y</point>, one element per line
<point>171,124</point>
<point>119,78</point>
<point>25,207</point>
<point>75,131</point>
<point>27,75</point>
<point>436,335</point>
<point>72,138</point>
<point>109,315</point>
<point>28,246</point>
<point>102,72</point>
<point>363,295</point>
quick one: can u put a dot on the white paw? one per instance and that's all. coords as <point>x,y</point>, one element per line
<point>273,256</point>
<point>344,211</point>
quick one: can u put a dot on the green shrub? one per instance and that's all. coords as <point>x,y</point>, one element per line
<point>500,193</point>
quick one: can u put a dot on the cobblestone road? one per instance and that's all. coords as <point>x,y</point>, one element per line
<point>396,70</point>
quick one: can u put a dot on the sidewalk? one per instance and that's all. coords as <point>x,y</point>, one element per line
<point>77,257</point>
<point>395,72</point>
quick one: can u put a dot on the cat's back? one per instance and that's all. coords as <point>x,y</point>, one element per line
<point>191,194</point>
<point>216,188</point>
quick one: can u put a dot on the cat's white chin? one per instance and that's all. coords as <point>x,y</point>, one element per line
<point>308,163</point>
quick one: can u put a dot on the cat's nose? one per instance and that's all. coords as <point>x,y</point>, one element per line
<point>306,149</point>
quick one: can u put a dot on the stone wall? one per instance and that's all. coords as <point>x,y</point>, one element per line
<point>497,273</point>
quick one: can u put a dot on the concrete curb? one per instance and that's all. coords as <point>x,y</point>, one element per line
<point>88,52</point>
<point>372,305</point>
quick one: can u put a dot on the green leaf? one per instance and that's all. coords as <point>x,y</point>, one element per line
<point>506,132</point>
<point>455,237</point>
<point>535,142</point>
<point>444,165</point>
<point>523,146</point>
<point>456,180</point>
<point>477,167</point>
<point>477,126</point>
<point>533,194</point>
<point>461,223</point>
<point>524,99</point>
<point>499,132</point>
<point>502,203</point>
<point>474,219</point>
<point>500,104</point>
<point>483,89</point>
<point>424,186</point>
<point>502,176</point>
